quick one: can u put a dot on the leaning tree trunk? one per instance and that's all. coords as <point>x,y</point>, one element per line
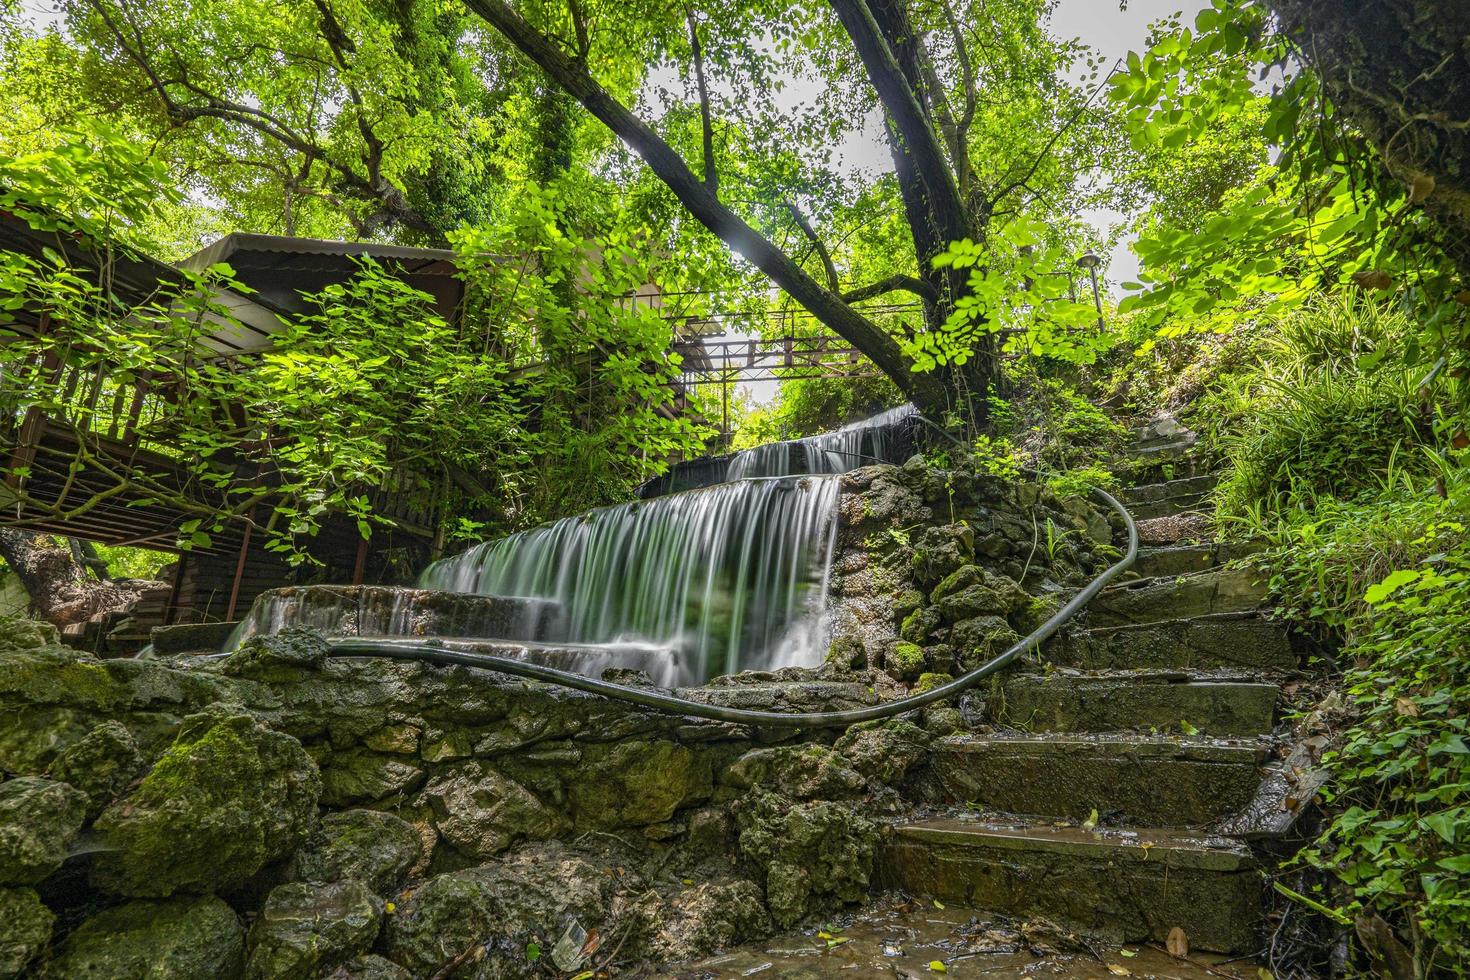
<point>61,591</point>
<point>1401,73</point>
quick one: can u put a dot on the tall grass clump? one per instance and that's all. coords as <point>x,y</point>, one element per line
<point>1329,411</point>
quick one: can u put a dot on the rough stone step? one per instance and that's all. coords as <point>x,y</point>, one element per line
<point>1245,640</point>
<point>1174,529</point>
<point>1187,559</point>
<point>1226,590</point>
<point>1109,701</point>
<point>1173,497</point>
<point>1119,886</point>
<point>1190,486</point>
<point>1136,780</point>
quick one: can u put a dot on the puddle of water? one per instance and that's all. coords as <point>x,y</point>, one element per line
<point>904,939</point>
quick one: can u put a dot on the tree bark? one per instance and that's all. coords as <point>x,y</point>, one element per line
<point>1401,73</point>
<point>61,591</point>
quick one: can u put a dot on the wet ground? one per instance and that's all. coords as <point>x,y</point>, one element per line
<point>923,940</point>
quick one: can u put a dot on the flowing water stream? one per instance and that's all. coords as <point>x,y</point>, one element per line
<point>708,581</point>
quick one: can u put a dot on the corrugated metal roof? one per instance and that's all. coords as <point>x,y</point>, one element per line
<point>238,244</point>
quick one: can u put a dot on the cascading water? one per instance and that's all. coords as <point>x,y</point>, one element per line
<point>831,452</point>
<point>724,578</point>
<point>730,577</point>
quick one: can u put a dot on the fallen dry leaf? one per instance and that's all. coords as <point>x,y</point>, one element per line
<point>1119,971</point>
<point>1372,279</point>
<point>1420,187</point>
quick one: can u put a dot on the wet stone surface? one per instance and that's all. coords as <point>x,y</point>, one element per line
<point>903,938</point>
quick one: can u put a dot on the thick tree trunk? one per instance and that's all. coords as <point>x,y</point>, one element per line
<point>61,591</point>
<point>927,391</point>
<point>1401,73</point>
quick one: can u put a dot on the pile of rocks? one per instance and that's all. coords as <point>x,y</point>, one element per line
<point>278,814</point>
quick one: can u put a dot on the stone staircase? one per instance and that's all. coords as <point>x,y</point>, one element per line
<point>1112,765</point>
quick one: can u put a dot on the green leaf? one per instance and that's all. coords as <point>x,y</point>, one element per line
<point>1391,584</point>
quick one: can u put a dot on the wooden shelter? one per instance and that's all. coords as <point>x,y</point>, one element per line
<point>82,446</point>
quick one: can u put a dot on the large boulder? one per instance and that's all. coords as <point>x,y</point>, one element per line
<point>25,928</point>
<point>532,896</point>
<point>635,783</point>
<point>375,848</point>
<point>802,772</point>
<point>813,855</point>
<point>38,819</point>
<point>229,797</point>
<point>709,916</point>
<point>101,764</point>
<point>481,812</point>
<point>180,938</point>
<point>306,929</point>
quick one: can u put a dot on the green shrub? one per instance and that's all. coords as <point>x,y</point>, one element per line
<point>1392,575</point>
<point>1324,417</point>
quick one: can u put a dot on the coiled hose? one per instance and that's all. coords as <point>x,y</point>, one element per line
<point>390,648</point>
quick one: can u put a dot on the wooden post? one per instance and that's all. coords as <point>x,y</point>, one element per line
<point>173,596</point>
<point>360,566</point>
<point>239,569</point>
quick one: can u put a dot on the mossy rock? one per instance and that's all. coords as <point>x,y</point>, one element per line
<point>709,916</point>
<point>928,682</point>
<point>814,856</point>
<point>801,772</point>
<point>920,625</point>
<point>638,783</point>
<point>24,633</point>
<point>227,798</point>
<point>359,776</point>
<point>278,657</point>
<point>375,848</point>
<point>905,660</point>
<point>38,819</point>
<point>306,929</point>
<point>482,812</point>
<point>174,939</point>
<point>101,764</point>
<point>533,892</point>
<point>884,751</point>
<point>980,640</point>
<point>25,928</point>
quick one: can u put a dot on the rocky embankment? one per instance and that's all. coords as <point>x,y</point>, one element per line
<point>277,813</point>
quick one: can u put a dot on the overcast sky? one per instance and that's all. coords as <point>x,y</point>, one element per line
<point>1115,32</point>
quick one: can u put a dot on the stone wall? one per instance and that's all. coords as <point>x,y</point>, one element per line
<point>280,814</point>
<point>937,571</point>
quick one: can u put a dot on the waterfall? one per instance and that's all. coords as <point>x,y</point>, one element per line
<point>731,577</point>
<point>830,452</point>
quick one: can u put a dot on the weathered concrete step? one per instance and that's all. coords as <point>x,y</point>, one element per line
<point>1187,559</point>
<point>1188,486</point>
<point>1120,886</point>
<point>1109,701</point>
<point>1174,497</point>
<point>1245,640</point>
<point>1137,780</point>
<point>1174,529</point>
<point>1225,590</point>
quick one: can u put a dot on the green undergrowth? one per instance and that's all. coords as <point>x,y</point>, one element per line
<point>1391,576</point>
<point>1353,469</point>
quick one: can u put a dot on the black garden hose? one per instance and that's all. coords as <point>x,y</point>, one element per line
<point>391,648</point>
